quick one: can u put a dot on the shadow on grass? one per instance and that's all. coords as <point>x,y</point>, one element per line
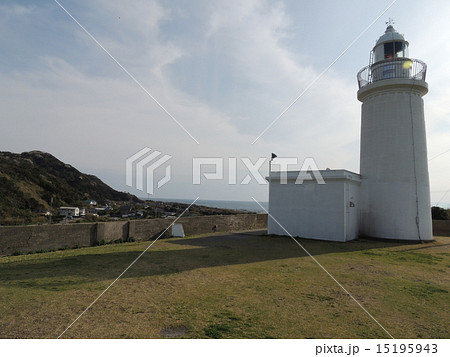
<point>51,272</point>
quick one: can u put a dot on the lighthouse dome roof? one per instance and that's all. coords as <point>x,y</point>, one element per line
<point>390,35</point>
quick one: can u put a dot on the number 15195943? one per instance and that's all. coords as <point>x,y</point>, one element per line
<point>406,348</point>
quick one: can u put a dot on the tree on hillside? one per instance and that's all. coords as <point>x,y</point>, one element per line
<point>439,213</point>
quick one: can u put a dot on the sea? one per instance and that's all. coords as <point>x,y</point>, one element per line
<point>250,206</point>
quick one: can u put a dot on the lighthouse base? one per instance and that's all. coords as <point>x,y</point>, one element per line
<point>384,215</point>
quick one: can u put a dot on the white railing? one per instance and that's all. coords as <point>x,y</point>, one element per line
<point>392,68</point>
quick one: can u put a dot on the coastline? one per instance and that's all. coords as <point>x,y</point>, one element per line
<point>249,206</point>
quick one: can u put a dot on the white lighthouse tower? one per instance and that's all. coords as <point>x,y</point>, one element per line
<point>394,192</point>
<point>390,198</point>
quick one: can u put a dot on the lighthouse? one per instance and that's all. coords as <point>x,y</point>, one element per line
<point>390,197</point>
<point>395,190</point>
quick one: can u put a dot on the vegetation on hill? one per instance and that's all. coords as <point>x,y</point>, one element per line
<point>28,182</point>
<point>439,213</point>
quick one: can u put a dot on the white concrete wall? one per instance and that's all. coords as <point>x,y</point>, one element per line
<point>352,206</point>
<point>394,170</point>
<point>311,210</point>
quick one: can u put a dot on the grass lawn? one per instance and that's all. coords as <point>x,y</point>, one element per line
<point>244,285</point>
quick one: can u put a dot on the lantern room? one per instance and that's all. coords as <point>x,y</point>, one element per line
<point>390,45</point>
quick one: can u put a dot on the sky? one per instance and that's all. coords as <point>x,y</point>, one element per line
<point>222,70</point>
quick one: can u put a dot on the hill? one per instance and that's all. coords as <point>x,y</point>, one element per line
<point>29,180</point>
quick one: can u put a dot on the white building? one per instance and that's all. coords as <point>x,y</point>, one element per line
<point>313,210</point>
<point>69,211</point>
<point>391,197</point>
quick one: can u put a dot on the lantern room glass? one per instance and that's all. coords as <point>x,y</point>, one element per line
<point>388,50</point>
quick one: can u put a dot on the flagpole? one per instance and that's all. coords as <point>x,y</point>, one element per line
<point>273,156</point>
<point>270,168</point>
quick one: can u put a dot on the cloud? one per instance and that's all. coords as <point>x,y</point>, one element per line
<point>96,121</point>
<point>266,78</point>
<point>222,69</point>
<point>16,10</point>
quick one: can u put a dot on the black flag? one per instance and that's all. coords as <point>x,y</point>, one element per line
<point>273,156</point>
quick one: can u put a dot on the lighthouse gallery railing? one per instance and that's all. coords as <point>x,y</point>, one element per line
<point>392,68</point>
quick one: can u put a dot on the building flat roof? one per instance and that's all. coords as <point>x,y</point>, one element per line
<point>327,175</point>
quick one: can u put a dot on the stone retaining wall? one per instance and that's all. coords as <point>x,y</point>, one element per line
<point>441,228</point>
<point>26,239</point>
